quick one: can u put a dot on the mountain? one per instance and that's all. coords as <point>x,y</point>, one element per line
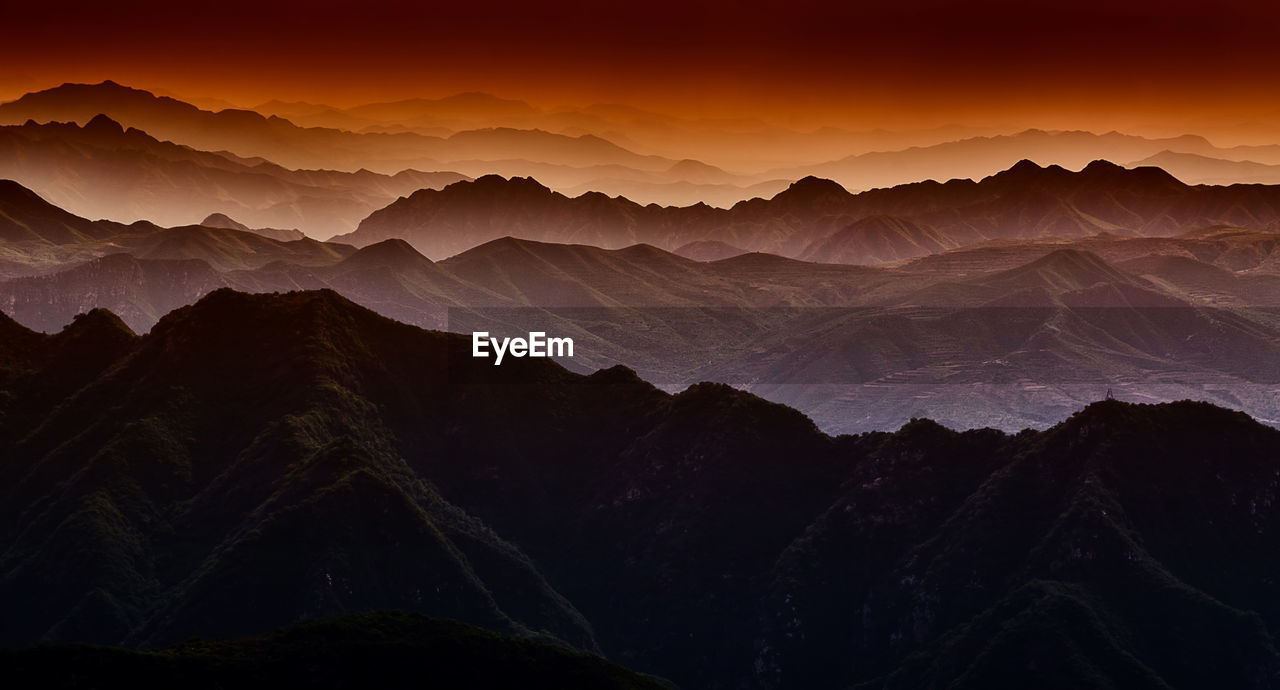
<point>102,170</point>
<point>449,562</point>
<point>26,217</point>
<point>1025,201</point>
<point>42,238</point>
<point>978,157</point>
<point>918,542</point>
<point>677,192</point>
<point>877,239</point>
<point>249,134</point>
<point>139,291</point>
<point>1032,328</point>
<point>1198,169</point>
<point>466,107</point>
<point>219,220</point>
<point>708,250</point>
<point>259,459</point>
<point>383,649</point>
<point>1062,270</point>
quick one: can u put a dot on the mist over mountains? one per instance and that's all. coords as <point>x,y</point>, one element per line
<point>616,150</point>
<point>101,170</point>
<point>1011,332</point>
<point>957,407</point>
<point>819,220</point>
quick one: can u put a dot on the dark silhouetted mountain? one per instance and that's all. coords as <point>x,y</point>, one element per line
<point>259,459</point>
<point>1108,497</point>
<point>245,501</point>
<point>102,170</point>
<point>813,195</point>
<point>367,650</point>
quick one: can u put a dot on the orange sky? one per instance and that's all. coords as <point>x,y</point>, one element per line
<point>890,64</point>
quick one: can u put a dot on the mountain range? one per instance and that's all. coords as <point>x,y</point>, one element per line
<point>102,170</point>
<point>257,459</point>
<point>249,134</point>
<point>977,157</point>
<point>820,220</point>
<point>1004,333</point>
<point>590,149</point>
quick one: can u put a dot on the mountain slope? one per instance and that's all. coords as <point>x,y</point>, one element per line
<point>1128,538</point>
<point>877,239</point>
<point>282,456</point>
<point>284,464</point>
<point>42,238</point>
<point>383,649</point>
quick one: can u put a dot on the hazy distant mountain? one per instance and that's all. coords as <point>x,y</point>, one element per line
<point>463,107</point>
<point>39,236</point>
<point>310,458</point>
<point>1025,201</point>
<point>741,143</point>
<point>247,133</point>
<point>1042,322</point>
<point>139,291</point>
<point>978,157</point>
<point>102,170</point>
<point>1196,169</point>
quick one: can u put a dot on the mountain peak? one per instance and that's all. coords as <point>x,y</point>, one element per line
<point>220,220</point>
<point>103,124</point>
<point>809,189</point>
<point>97,323</point>
<point>1102,166</point>
<point>1024,166</point>
<point>1147,175</point>
<point>1023,170</point>
<point>393,253</point>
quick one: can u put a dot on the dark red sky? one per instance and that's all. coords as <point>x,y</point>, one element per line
<point>882,63</point>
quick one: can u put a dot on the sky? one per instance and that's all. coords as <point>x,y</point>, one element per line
<point>1111,65</point>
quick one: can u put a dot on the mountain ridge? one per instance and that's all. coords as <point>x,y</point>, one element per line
<point>1025,201</point>
<point>719,511</point>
